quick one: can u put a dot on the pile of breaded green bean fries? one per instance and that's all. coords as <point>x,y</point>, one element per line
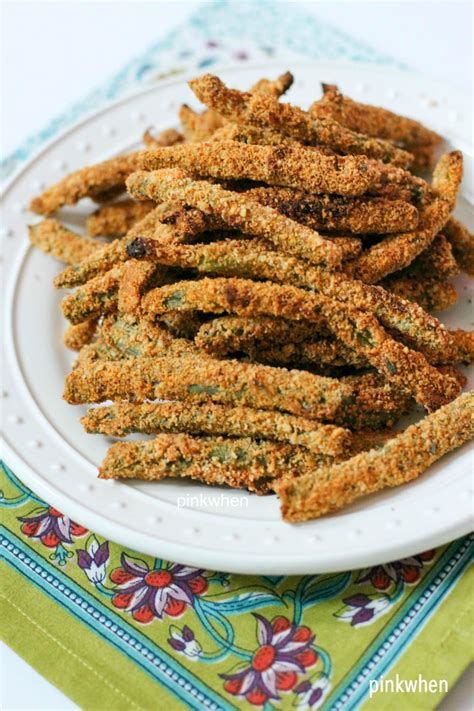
<point>261,300</point>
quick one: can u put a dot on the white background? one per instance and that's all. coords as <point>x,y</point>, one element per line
<point>55,52</point>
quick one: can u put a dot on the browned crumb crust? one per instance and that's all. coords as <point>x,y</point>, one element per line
<point>231,334</point>
<point>239,463</point>
<point>430,294</point>
<point>262,109</point>
<point>331,212</point>
<point>436,261</point>
<point>211,419</point>
<point>236,211</point>
<point>360,331</point>
<point>168,137</point>
<point>373,120</point>
<point>98,296</point>
<point>86,182</point>
<point>398,251</point>
<point>115,220</point>
<point>197,379</point>
<point>52,238</point>
<point>462,242</point>
<point>135,277</point>
<point>252,260</point>
<point>400,460</point>
<point>80,335</point>
<point>166,224</point>
<point>288,166</point>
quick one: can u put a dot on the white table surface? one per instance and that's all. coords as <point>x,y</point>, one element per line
<point>66,48</point>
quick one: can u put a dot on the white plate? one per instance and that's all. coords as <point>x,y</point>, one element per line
<point>47,448</point>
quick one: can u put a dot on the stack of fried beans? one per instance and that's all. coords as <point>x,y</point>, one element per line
<point>261,300</point>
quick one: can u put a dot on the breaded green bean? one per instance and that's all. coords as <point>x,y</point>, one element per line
<point>431,294</point>
<point>400,460</point>
<point>151,418</point>
<point>115,220</point>
<point>243,107</point>
<point>289,166</point>
<point>239,463</point>
<point>436,261</point>
<point>52,238</point>
<point>273,87</point>
<point>462,242</point>
<point>135,277</point>
<point>98,296</point>
<point>398,251</point>
<point>94,352</point>
<point>397,184</point>
<point>93,266</point>
<point>256,135</point>
<point>252,260</point>
<point>199,126</point>
<point>360,331</point>
<point>166,224</point>
<point>238,212</point>
<point>375,121</point>
<point>324,351</point>
<point>333,212</point>
<point>231,334</point>
<point>461,348</point>
<point>133,338</point>
<point>203,126</point>
<point>86,182</point>
<point>201,379</point>
<point>80,335</point>
<point>374,403</point>
<point>182,324</point>
<point>167,137</point>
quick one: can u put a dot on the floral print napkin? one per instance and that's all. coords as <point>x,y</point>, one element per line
<point>148,629</point>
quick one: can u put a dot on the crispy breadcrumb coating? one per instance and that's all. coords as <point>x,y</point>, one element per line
<point>211,419</point>
<point>436,261</point>
<point>430,294</point>
<point>360,331</point>
<point>287,166</point>
<point>115,220</point>
<point>240,463</point>
<point>462,242</point>
<point>86,182</point>
<point>231,334</point>
<point>400,460</point>
<point>96,297</point>
<point>376,121</point>
<point>237,212</point>
<point>243,107</point>
<point>168,137</point>
<point>252,260</point>
<point>332,212</point>
<point>80,335</point>
<point>52,238</point>
<point>398,251</point>
<point>196,379</point>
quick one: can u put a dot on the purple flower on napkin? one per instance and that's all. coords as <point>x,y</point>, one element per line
<point>149,593</point>
<point>407,570</point>
<point>51,527</point>
<point>363,609</point>
<point>184,642</point>
<point>312,691</point>
<point>93,560</point>
<point>285,650</point>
